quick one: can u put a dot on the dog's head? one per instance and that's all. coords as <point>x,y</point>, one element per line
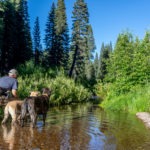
<point>46,91</point>
<point>35,93</point>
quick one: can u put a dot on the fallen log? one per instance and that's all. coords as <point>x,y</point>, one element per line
<point>145,117</point>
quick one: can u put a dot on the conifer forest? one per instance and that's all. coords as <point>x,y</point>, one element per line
<point>119,75</point>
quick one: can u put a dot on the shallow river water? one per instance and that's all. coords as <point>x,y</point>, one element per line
<point>78,127</point>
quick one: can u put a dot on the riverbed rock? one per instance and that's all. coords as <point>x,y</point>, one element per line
<point>145,117</point>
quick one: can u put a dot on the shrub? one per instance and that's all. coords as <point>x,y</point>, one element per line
<point>64,90</point>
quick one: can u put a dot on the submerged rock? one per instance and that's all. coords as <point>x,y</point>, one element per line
<point>145,117</point>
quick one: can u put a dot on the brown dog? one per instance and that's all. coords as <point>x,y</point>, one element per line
<point>13,108</point>
<point>36,105</point>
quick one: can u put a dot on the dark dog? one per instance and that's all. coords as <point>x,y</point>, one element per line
<point>35,106</point>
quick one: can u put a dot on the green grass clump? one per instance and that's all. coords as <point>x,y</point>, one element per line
<point>137,100</point>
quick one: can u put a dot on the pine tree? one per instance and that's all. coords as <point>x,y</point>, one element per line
<point>96,66</point>
<point>79,43</point>
<point>27,29</point>
<point>90,42</point>
<point>16,45</point>
<point>62,35</point>
<point>90,78</point>
<point>37,42</point>
<point>104,57</point>
<point>1,23</point>
<point>8,38</point>
<point>120,65</point>
<point>1,27</point>
<point>89,53</point>
<point>24,50</point>
<point>50,40</point>
<point>141,61</point>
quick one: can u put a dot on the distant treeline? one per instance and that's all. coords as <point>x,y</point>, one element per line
<point>126,84</point>
<point>128,65</point>
<point>124,74</point>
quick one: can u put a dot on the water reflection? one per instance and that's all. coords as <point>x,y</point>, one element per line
<point>78,127</point>
<point>9,136</point>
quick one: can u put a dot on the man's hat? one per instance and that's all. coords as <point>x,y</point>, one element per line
<point>13,72</point>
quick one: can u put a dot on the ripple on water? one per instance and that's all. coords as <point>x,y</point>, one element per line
<point>78,127</point>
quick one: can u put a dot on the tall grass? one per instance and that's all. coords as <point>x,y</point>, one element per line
<point>138,99</point>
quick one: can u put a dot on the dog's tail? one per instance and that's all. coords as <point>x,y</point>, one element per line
<point>24,110</point>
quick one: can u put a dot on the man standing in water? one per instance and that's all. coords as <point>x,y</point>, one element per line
<point>9,83</point>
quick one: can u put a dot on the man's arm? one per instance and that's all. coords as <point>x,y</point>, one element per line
<point>14,93</point>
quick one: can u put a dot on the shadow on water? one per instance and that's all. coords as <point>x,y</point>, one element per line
<point>78,127</point>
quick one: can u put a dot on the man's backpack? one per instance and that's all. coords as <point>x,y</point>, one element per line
<point>4,96</point>
<point>3,92</point>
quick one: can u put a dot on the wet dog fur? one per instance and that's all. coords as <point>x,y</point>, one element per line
<point>35,106</point>
<point>13,109</point>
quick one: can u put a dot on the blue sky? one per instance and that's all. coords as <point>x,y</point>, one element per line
<point>107,17</point>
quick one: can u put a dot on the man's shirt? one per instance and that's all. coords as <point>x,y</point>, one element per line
<point>9,83</point>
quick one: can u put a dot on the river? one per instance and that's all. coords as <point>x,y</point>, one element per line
<point>78,127</point>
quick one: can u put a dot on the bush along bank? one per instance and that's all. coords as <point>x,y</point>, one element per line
<point>64,90</point>
<point>136,100</point>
